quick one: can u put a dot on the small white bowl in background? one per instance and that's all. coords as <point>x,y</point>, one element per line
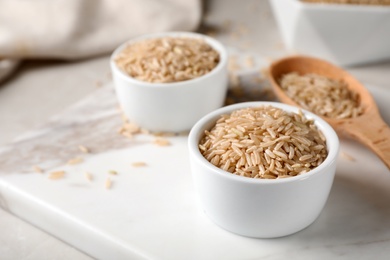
<point>171,107</point>
<point>261,208</point>
<point>344,34</point>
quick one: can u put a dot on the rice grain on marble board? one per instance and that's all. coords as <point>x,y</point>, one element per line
<point>138,164</point>
<point>83,149</point>
<point>74,161</point>
<point>88,176</point>
<point>112,172</point>
<point>108,184</point>
<point>347,156</point>
<point>37,169</point>
<point>56,175</point>
<point>161,141</point>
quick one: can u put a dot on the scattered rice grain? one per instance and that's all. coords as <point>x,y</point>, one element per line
<point>74,161</point>
<point>138,164</point>
<point>161,142</point>
<point>37,169</point>
<point>56,175</point>
<point>347,156</point>
<point>83,149</point>
<point>112,172</point>
<point>108,184</point>
<point>88,176</point>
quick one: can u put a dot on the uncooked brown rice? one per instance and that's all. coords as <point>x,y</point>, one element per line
<point>346,156</point>
<point>56,175</point>
<point>88,176</point>
<point>83,149</point>
<point>161,141</point>
<point>264,142</point>
<point>138,164</point>
<point>167,59</point>
<point>108,184</point>
<point>321,95</point>
<point>129,130</point>
<point>74,161</point>
<point>112,172</point>
<point>37,169</point>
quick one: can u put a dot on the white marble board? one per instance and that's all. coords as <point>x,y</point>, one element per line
<point>152,212</point>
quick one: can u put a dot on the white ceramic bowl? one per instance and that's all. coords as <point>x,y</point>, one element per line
<point>342,34</point>
<point>171,107</point>
<point>261,208</point>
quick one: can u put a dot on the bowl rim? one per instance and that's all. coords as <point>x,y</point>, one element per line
<point>332,141</point>
<point>215,44</point>
<point>342,7</point>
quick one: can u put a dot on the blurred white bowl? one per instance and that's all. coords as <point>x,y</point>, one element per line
<point>171,107</point>
<point>343,34</point>
<point>259,207</point>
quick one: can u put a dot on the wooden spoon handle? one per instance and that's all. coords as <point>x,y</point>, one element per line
<point>375,134</point>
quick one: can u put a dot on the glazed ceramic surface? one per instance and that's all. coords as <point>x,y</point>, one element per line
<point>259,207</point>
<point>343,34</point>
<point>171,107</point>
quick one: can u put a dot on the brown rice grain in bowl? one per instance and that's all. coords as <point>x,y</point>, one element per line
<point>167,59</point>
<point>264,142</point>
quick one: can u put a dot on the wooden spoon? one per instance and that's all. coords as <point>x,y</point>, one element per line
<point>368,128</point>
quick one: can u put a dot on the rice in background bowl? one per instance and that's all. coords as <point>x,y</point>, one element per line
<point>167,59</point>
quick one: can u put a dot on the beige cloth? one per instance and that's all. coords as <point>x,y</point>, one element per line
<point>70,29</point>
